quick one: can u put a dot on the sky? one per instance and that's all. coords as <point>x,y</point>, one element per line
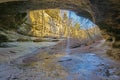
<point>84,22</point>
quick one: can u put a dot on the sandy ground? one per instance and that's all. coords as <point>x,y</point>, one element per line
<point>54,63</point>
<point>19,49</point>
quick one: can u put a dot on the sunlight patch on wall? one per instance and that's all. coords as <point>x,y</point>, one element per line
<point>61,23</point>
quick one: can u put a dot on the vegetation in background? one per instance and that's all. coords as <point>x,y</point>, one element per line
<point>57,23</point>
<point>49,23</point>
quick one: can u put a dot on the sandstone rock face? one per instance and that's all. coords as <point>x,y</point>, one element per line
<point>105,13</point>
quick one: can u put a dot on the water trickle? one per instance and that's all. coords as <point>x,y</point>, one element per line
<point>67,46</point>
<point>68,36</point>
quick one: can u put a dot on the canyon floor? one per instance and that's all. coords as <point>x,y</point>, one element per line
<point>51,61</point>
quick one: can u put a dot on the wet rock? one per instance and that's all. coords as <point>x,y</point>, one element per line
<point>107,73</point>
<point>12,51</point>
<point>15,78</point>
<point>65,60</point>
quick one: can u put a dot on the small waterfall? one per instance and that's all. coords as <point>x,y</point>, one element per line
<point>68,46</point>
<point>68,36</point>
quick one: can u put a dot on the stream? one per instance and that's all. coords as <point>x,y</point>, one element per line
<point>48,65</point>
<point>81,66</point>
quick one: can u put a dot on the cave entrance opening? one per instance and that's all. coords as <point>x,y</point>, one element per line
<point>63,25</point>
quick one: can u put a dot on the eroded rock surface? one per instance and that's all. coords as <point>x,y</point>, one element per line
<point>105,13</point>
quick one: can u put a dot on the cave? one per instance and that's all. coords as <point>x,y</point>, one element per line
<point>104,14</point>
